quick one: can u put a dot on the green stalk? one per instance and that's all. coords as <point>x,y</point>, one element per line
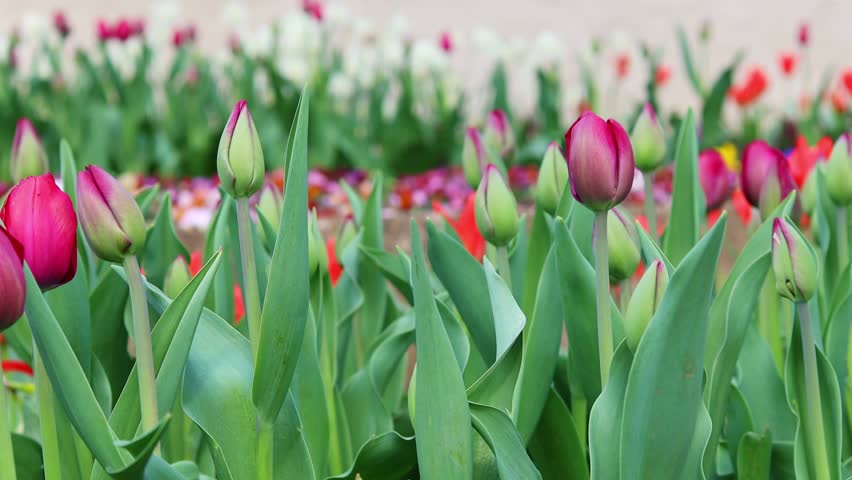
<point>624,294</point>
<point>251,294</point>
<point>265,440</point>
<point>602,294</point>
<point>503,265</point>
<point>842,238</point>
<point>142,342</point>
<point>579,405</point>
<point>769,322</point>
<point>47,421</point>
<point>7,457</point>
<point>650,207</point>
<point>814,424</point>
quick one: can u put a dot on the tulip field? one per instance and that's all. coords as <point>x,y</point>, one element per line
<point>254,268</point>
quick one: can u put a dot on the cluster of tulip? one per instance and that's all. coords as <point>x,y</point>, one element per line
<point>670,370</point>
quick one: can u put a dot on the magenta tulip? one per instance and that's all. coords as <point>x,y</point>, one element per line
<point>41,218</point>
<point>12,280</point>
<point>600,162</point>
<point>498,133</point>
<point>766,178</point>
<point>717,180</point>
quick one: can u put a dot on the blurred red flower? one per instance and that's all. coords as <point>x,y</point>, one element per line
<point>15,366</point>
<point>335,269</point>
<point>788,61</point>
<point>753,87</point>
<point>622,65</point>
<point>804,157</point>
<point>741,206</point>
<point>465,226</point>
<point>662,75</point>
<point>196,261</point>
<point>846,78</point>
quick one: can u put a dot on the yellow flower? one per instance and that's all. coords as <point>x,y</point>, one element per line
<point>730,155</point>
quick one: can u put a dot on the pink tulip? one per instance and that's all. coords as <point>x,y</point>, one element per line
<point>446,42</point>
<point>123,30</point>
<point>41,218</point>
<point>600,162</point>
<point>12,280</point>
<point>60,23</point>
<point>105,31</point>
<point>765,178</point>
<point>717,180</point>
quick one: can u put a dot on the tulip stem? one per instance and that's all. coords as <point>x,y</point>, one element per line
<point>814,419</point>
<point>503,265</point>
<point>265,441</point>
<point>47,421</point>
<point>650,206</point>
<point>842,238</point>
<point>142,344</point>
<point>600,245</point>
<point>252,291</point>
<point>7,456</point>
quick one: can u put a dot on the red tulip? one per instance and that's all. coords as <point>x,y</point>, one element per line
<point>465,226</point>
<point>766,178</point>
<point>622,65</point>
<point>787,61</point>
<point>600,162</point>
<point>41,218</point>
<point>717,181</point>
<point>12,280</point>
<point>662,75</point>
<point>846,78</point>
<point>754,86</point>
<point>314,8</point>
<point>60,23</point>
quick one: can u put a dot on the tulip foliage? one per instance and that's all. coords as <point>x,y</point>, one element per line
<point>532,361</point>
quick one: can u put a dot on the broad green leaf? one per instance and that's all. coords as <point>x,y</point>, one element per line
<point>651,251</point>
<point>738,422</point>
<point>542,337</point>
<point>442,422</point>
<point>464,279</point>
<point>291,455</point>
<point>712,128</point>
<point>498,431</point>
<point>807,467</point>
<point>163,245</point>
<point>388,456</point>
<point>838,330</point>
<point>370,320</point>
<point>539,244</point>
<point>687,214</point>
<point>309,393</point>
<point>391,268</point>
<point>555,446</point>
<point>285,308</point>
<point>663,400</point>
<point>753,459</point>
<point>109,340</point>
<point>28,459</point>
<point>222,234</point>
<point>70,304</point>
<point>606,418</point>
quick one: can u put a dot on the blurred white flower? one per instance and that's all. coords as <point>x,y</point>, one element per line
<point>336,15</point>
<point>258,42</point>
<point>393,54</point>
<point>426,58</point>
<point>341,86</point>
<point>399,26</point>
<point>390,104</point>
<point>547,49</point>
<point>262,85</point>
<point>36,27</point>
<point>42,69</point>
<point>300,34</point>
<point>123,56</point>
<point>363,29</point>
<point>488,41</point>
<point>294,69</point>
<point>234,15</point>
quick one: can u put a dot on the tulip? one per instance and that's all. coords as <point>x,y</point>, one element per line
<point>498,133</point>
<point>12,280</point>
<point>41,218</point>
<point>794,262</point>
<point>717,180</point>
<point>269,208</point>
<point>496,209</point>
<point>60,23</point>
<point>347,233</point>
<point>111,219</point>
<point>600,162</point>
<point>623,246</point>
<point>240,157</point>
<point>804,34</point>
<point>445,41</point>
<point>552,179</point>
<point>754,86</point>
<point>649,144</point>
<point>473,157</point>
<point>317,255</point>
<point>838,171</point>
<point>809,192</point>
<point>766,178</point>
<point>645,302</point>
<point>28,156</point>
<point>178,276</point>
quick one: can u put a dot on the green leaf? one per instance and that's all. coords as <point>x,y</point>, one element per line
<point>606,418</point>
<point>28,459</point>
<point>663,400</point>
<point>370,320</point>
<point>542,337</point>
<point>222,234</point>
<point>651,251</point>
<point>499,433</point>
<point>388,456</point>
<point>391,267</point>
<point>70,304</point>
<point>442,422</point>
<point>555,446</point>
<point>539,244</point>
<point>807,467</point>
<point>109,340</point>
<point>285,308</point>
<point>687,215</point>
<point>309,393</point>
<point>163,245</point>
<point>712,128</point>
<point>691,69</point>
<point>753,457</point>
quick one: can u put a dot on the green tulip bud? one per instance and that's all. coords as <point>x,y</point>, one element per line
<point>317,255</point>
<point>838,176</point>
<point>794,262</point>
<point>552,179</point>
<point>644,302</point>
<point>623,245</point>
<point>473,157</point>
<point>496,209</point>
<point>240,157</point>
<point>269,208</point>
<point>649,143</point>
<point>809,190</point>
<point>28,156</point>
<point>178,276</point>
<point>347,233</point>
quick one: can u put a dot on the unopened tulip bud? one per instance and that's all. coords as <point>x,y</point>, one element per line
<point>473,157</point>
<point>178,276</point>
<point>111,219</point>
<point>766,178</point>
<point>28,156</point>
<point>41,218</point>
<point>649,143</point>
<point>809,190</point>
<point>838,172</point>
<point>623,245</point>
<point>600,162</point>
<point>496,209</point>
<point>644,302</point>
<point>347,233</point>
<point>717,180</point>
<point>317,254</point>
<point>498,133</point>
<point>794,262</point>
<point>240,157</point>
<point>12,280</point>
<point>269,207</point>
<point>552,179</point>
